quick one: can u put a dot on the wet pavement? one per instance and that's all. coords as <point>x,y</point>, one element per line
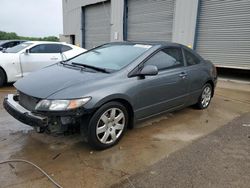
<point>220,159</point>
<point>72,163</point>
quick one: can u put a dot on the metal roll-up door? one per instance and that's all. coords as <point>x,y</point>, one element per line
<point>223,32</point>
<point>150,20</point>
<point>96,24</point>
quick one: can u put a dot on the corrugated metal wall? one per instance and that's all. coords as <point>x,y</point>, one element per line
<point>223,32</point>
<point>150,19</point>
<point>97,24</point>
<point>72,17</point>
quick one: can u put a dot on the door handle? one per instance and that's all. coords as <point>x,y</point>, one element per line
<point>54,58</point>
<point>183,75</point>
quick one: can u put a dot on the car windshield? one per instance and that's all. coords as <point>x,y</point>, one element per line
<point>111,56</point>
<point>18,48</point>
<point>2,42</point>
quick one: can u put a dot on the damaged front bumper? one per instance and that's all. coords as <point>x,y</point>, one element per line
<point>53,122</point>
<point>12,106</point>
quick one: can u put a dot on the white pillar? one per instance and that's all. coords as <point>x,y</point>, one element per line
<point>185,19</point>
<point>117,9</point>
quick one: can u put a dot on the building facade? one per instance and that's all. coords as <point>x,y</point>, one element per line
<point>219,30</point>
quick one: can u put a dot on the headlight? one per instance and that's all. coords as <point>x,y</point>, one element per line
<point>59,105</point>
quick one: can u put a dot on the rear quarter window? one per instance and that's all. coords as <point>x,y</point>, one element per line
<point>191,59</point>
<point>66,48</point>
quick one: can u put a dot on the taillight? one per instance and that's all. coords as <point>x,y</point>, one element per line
<point>214,71</point>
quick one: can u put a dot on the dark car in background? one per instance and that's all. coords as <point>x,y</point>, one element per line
<point>109,88</point>
<point>4,44</point>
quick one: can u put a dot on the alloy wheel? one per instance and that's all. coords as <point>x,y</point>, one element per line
<point>206,96</point>
<point>110,125</point>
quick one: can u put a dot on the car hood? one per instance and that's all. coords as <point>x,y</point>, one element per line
<point>6,57</point>
<point>56,78</point>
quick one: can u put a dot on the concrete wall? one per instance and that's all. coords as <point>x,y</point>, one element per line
<point>184,19</point>
<point>64,38</point>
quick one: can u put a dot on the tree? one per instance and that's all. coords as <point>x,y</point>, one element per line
<point>12,35</point>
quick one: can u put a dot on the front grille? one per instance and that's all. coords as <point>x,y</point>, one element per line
<point>27,101</point>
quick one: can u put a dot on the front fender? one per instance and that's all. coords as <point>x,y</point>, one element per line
<point>11,65</point>
<point>97,103</point>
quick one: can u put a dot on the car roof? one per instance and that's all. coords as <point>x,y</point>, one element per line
<point>45,42</point>
<point>152,43</point>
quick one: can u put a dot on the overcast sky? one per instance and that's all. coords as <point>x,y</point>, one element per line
<point>36,18</point>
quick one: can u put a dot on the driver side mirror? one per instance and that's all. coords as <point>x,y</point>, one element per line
<point>149,70</point>
<point>26,52</point>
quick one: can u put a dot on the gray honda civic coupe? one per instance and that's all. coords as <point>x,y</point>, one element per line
<point>109,88</point>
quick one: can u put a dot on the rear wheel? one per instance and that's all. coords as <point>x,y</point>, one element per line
<point>2,77</point>
<point>206,96</point>
<point>107,125</point>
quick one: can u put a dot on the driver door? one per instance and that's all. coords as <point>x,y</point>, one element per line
<point>165,91</point>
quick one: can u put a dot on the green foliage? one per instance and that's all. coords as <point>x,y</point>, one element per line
<point>12,35</point>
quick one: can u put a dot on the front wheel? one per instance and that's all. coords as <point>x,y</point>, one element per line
<point>107,125</point>
<point>205,97</point>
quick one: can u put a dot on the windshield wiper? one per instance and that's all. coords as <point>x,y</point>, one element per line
<point>71,65</point>
<point>91,67</point>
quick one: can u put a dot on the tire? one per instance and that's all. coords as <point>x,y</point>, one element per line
<point>111,120</point>
<point>2,77</point>
<point>40,129</point>
<point>205,97</point>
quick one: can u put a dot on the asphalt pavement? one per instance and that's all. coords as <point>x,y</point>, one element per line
<point>220,159</point>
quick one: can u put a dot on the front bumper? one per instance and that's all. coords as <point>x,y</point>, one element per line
<point>22,114</point>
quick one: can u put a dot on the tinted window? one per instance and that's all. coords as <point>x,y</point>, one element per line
<point>38,49</point>
<point>191,58</point>
<point>66,48</point>
<point>46,48</point>
<point>167,58</point>
<point>9,45</point>
<point>112,56</point>
<point>17,42</point>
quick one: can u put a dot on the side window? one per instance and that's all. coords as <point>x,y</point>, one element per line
<point>46,48</point>
<point>53,48</point>
<point>167,58</point>
<point>191,58</point>
<point>38,49</point>
<point>9,45</point>
<point>66,48</point>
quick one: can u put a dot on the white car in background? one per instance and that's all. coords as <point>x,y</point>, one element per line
<point>20,60</point>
